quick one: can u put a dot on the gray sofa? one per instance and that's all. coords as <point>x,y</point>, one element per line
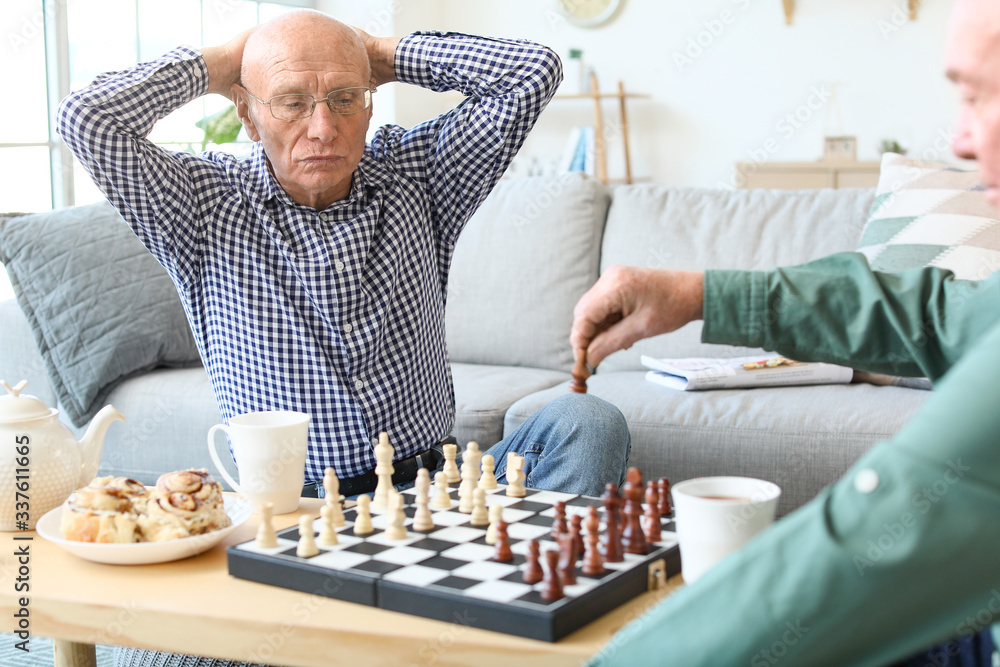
<point>526,257</point>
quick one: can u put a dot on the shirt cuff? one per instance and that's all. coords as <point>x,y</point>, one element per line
<point>735,307</point>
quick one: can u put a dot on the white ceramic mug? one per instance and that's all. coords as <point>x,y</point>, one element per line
<point>270,453</point>
<point>715,516</point>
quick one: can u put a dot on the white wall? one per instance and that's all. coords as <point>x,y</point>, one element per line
<point>721,101</point>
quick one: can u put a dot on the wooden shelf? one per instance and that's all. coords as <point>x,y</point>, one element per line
<point>913,6</point>
<point>600,141</point>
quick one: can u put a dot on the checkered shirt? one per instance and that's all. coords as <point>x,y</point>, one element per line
<point>337,313</point>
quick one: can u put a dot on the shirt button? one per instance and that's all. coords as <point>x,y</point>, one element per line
<point>339,265</point>
<point>359,385</point>
<point>348,328</point>
<point>866,481</point>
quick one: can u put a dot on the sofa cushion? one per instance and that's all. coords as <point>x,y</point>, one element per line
<point>521,264</point>
<point>483,394</point>
<point>775,433</point>
<point>931,214</point>
<point>691,229</point>
<point>101,309</point>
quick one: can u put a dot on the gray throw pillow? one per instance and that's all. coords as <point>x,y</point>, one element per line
<point>100,307</point>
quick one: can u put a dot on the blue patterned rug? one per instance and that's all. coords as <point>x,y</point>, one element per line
<point>40,653</point>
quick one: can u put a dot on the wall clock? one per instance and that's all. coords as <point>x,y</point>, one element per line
<point>589,13</point>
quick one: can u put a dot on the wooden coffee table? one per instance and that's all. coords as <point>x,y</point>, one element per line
<point>193,606</point>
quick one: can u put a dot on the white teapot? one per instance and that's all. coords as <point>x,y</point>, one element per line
<point>41,463</point>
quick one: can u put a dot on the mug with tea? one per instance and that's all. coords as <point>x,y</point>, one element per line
<point>715,516</point>
<point>270,452</point>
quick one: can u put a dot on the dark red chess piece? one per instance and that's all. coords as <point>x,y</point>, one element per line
<point>575,523</point>
<point>559,527</point>
<point>552,589</point>
<point>533,570</point>
<point>633,539</point>
<point>567,560</point>
<point>651,514</point>
<point>593,563</point>
<point>664,489</point>
<point>502,552</point>
<point>611,541</point>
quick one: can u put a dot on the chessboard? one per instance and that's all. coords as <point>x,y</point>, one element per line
<point>449,572</point>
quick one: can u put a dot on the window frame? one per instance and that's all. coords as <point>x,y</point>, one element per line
<point>57,76</point>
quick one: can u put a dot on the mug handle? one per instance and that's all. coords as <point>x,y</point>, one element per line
<point>215,456</point>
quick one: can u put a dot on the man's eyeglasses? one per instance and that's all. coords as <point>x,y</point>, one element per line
<point>297,107</point>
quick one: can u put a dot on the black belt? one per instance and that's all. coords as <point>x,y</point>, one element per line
<point>404,472</point>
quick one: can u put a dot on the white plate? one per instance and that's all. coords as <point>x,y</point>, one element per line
<point>141,553</point>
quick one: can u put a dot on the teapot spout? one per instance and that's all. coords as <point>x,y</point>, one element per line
<point>92,443</point>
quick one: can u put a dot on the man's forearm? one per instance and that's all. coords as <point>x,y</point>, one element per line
<point>838,310</point>
<point>889,559</point>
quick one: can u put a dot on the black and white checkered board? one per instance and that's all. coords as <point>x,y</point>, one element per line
<point>449,573</point>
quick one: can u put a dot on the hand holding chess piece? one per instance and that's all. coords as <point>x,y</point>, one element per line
<point>578,384</point>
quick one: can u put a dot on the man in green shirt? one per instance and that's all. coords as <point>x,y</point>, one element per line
<point>904,550</point>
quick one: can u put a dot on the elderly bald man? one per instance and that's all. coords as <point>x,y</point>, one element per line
<point>903,551</point>
<point>314,272</point>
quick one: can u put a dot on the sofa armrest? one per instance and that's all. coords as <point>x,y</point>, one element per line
<point>19,356</point>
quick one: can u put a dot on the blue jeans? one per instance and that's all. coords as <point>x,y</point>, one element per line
<point>576,444</point>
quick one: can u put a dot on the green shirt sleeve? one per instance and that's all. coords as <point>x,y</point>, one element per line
<point>858,576</point>
<point>837,310</point>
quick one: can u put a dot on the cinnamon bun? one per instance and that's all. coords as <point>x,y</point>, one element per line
<point>184,503</point>
<point>100,514</point>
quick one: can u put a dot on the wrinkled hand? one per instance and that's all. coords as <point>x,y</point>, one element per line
<point>381,56</point>
<point>224,63</point>
<point>628,304</point>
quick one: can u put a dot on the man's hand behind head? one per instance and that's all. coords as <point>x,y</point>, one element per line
<point>628,304</point>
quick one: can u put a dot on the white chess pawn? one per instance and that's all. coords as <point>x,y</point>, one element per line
<point>442,499</point>
<point>307,538</point>
<point>383,469</point>
<point>496,515</point>
<point>423,520</point>
<point>331,486</point>
<point>266,537</point>
<point>515,477</point>
<point>479,515</point>
<point>488,480</point>
<point>450,467</point>
<point>396,529</point>
<point>470,477</point>
<point>363,520</point>
<point>327,532</point>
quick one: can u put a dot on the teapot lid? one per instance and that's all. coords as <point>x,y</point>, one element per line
<point>15,408</point>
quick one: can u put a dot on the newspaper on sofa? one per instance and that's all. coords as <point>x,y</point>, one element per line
<point>696,374</point>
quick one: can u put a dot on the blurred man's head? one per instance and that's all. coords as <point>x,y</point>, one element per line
<point>311,55</point>
<point>973,63</point>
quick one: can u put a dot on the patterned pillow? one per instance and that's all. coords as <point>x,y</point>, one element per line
<point>931,214</point>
